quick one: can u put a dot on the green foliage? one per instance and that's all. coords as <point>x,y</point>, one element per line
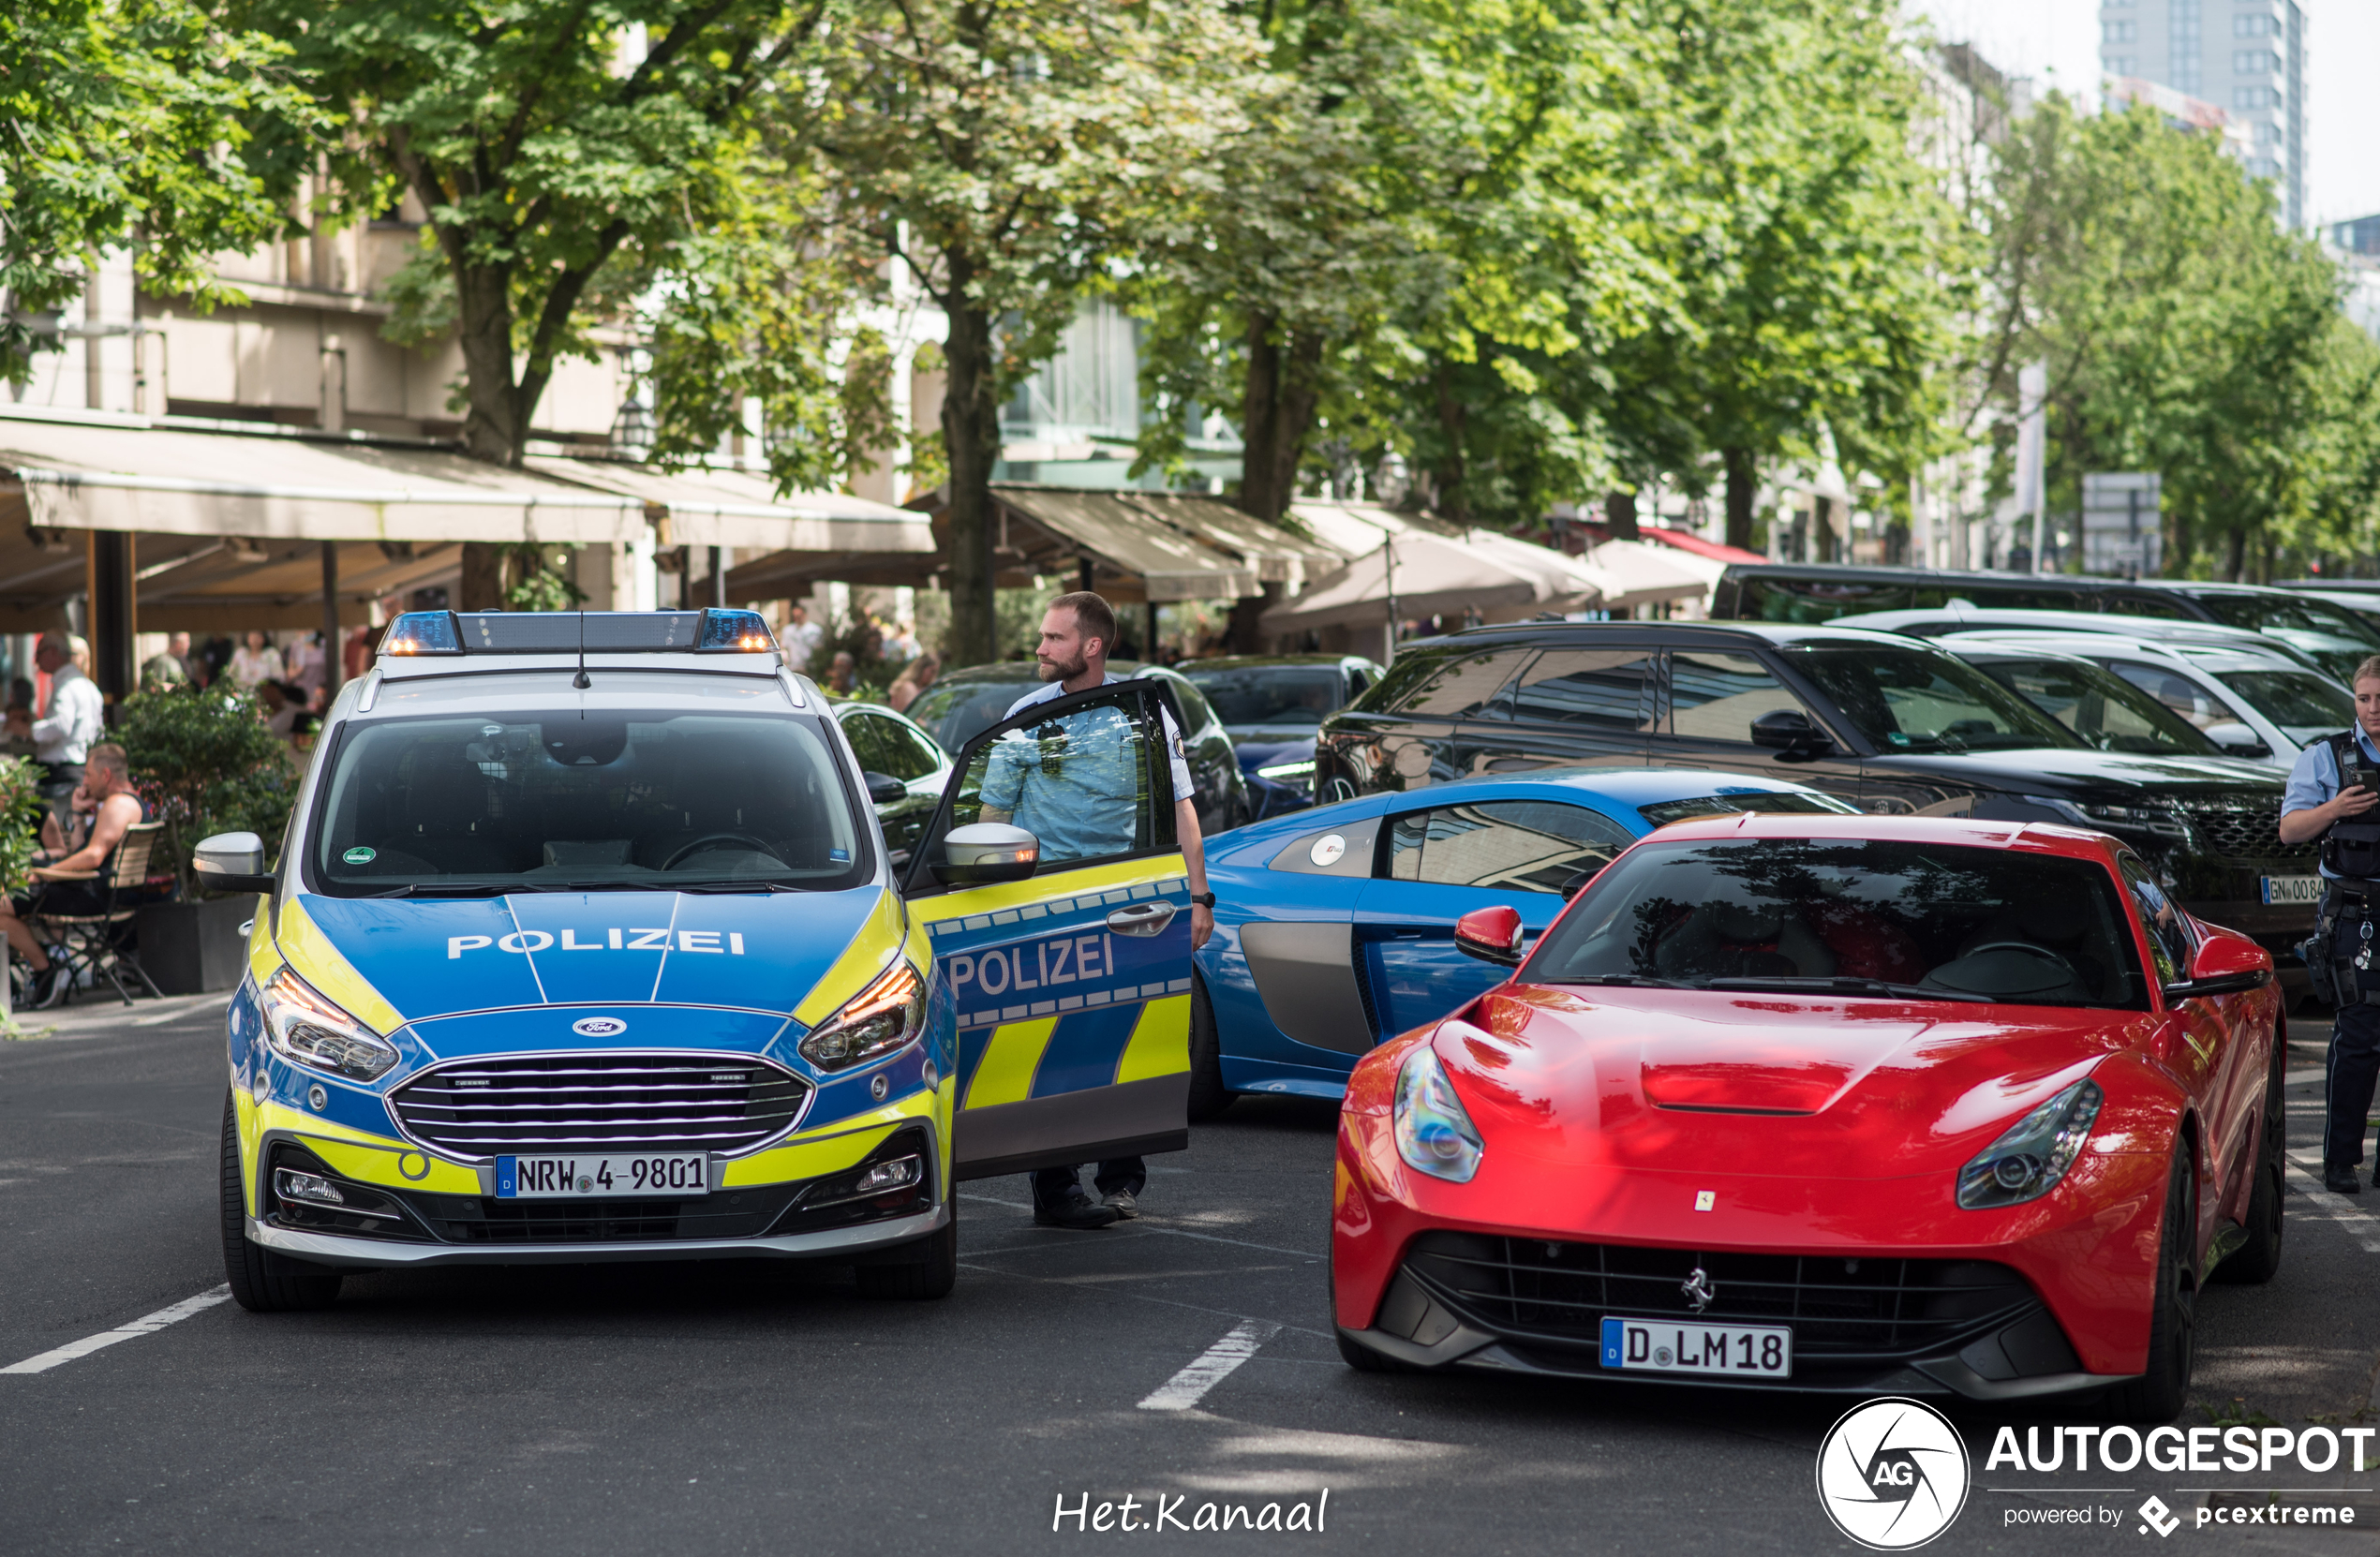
<point>537,579</point>
<point>21,809</point>
<point>208,764</point>
<point>136,120</point>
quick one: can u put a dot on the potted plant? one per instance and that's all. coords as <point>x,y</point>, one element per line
<point>206,762</point>
<point>21,814</point>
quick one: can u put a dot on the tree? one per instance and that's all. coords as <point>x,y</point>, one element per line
<point>134,122</point>
<point>1005,155</point>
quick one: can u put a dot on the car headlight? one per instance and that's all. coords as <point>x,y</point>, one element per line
<point>887,1015</point>
<point>1434,1134</point>
<point>305,1027</point>
<point>2027,1162</point>
<point>1289,773</point>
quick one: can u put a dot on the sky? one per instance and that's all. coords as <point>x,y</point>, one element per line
<point>2057,44</point>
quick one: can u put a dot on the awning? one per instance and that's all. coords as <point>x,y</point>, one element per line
<point>94,471</point>
<point>1054,529</point>
<point>1279,556</point>
<point>707,507</point>
<point>1637,572</point>
<point>1356,529</point>
<point>1429,575</point>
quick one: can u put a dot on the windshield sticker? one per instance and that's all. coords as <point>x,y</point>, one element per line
<point>360,856</point>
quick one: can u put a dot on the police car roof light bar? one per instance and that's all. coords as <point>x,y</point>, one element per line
<point>502,632</point>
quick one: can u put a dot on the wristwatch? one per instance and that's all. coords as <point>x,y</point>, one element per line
<point>1202,899</point>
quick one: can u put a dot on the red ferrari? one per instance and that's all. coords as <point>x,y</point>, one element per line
<point>1867,1105</point>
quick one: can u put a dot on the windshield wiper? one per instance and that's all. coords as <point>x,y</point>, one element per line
<point>724,886</point>
<point>1788,984</point>
<point>459,889</point>
<point>1633,981</point>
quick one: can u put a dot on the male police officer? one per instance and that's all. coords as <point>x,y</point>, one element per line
<point>2324,802</point>
<point>1084,810</point>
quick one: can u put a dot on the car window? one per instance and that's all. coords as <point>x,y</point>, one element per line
<point>1247,695</point>
<point>1905,700</point>
<point>2306,706</point>
<point>2181,695</point>
<point>866,734</point>
<point>1195,709</point>
<point>955,712</point>
<point>2168,932</point>
<point>2157,606</point>
<point>1716,697</point>
<point>2104,709</point>
<point>1994,924</point>
<point>1603,690</point>
<point>2280,614</point>
<point>890,748</point>
<point>1513,845</point>
<point>1771,802</point>
<point>1454,687</point>
<point>1078,781</point>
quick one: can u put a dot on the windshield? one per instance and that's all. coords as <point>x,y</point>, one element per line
<point>955,712</point>
<point>1247,695</point>
<point>2341,640</point>
<point>2305,705</point>
<point>1949,920</point>
<point>640,801</point>
<point>2101,707</point>
<point>1909,700</point>
<point>1662,813</point>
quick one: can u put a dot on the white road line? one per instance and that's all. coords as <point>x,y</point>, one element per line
<point>2360,1225</point>
<point>1217,1363</point>
<point>146,1325</point>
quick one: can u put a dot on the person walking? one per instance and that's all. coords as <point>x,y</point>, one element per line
<point>72,718</point>
<point>2333,786</point>
<point>1075,633</point>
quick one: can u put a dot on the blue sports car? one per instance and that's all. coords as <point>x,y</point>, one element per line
<point>1334,927</point>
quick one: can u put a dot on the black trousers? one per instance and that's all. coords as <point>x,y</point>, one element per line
<point>1053,1187</point>
<point>2354,1067</point>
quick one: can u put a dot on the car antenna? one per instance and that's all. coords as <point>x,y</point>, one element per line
<point>580,680</point>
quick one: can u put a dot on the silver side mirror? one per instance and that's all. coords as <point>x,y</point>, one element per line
<point>985,853</point>
<point>231,862</point>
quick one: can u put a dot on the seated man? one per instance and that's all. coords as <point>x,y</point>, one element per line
<point>107,793</point>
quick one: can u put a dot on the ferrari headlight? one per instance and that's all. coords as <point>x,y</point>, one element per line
<point>1434,1134</point>
<point>887,1015</point>
<point>305,1027</point>
<point>2027,1162</point>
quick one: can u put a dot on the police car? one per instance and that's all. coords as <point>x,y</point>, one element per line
<point>585,944</point>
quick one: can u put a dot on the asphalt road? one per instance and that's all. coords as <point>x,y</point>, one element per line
<point>691,1410</point>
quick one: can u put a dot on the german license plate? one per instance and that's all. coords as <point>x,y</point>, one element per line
<point>557,1178</point>
<point>1667,1346</point>
<point>2291,889</point>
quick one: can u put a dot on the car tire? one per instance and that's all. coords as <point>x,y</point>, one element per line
<point>1208,1096</point>
<point>261,1281</point>
<point>2258,1260</point>
<point>2159,1394</point>
<point>930,1274</point>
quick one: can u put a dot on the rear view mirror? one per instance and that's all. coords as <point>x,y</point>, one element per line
<point>883,789</point>
<point>1490,934</point>
<point>1789,730</point>
<point>2238,740</point>
<point>985,854</point>
<point>231,862</point>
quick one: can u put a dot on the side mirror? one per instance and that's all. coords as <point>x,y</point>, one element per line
<point>883,789</point>
<point>1490,934</point>
<point>985,854</point>
<point>1789,730</point>
<point>231,862</point>
<point>2238,740</point>
<point>2226,965</point>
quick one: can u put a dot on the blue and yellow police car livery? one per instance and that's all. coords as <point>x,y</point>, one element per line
<point>585,945</point>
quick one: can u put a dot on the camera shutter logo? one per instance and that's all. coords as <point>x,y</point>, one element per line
<point>599,1026</point>
<point>1892,1474</point>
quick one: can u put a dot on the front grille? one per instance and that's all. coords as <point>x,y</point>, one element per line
<point>482,1219</point>
<point>528,1103</point>
<point>1839,1306</point>
<point>2245,829</point>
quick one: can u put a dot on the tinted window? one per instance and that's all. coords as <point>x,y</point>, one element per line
<point>2304,705</point>
<point>1079,783</point>
<point>1601,690</point>
<point>2281,615</point>
<point>890,748</point>
<point>2008,926</point>
<point>1514,845</point>
<point>1768,802</point>
<point>1299,695</point>
<point>1905,700</point>
<point>1450,687</point>
<point>2158,606</point>
<point>637,801</point>
<point>2168,933</point>
<point>2180,696</point>
<point>1195,707</point>
<point>955,712</point>
<point>1817,601</point>
<point>1716,697</point>
<point>2104,710</point>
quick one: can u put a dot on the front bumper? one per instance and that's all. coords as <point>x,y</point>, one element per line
<point>357,1254</point>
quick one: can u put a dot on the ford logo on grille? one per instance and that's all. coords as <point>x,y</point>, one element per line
<point>599,1026</point>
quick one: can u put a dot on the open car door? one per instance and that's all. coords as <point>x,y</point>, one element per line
<point>1070,971</point>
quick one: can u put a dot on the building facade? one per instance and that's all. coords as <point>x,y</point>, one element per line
<point>2244,57</point>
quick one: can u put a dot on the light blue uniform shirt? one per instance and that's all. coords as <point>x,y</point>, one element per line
<point>1078,790</point>
<point>2314,779</point>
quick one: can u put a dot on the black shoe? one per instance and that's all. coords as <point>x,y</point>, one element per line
<point>1079,1213</point>
<point>45,989</point>
<point>2340,1179</point>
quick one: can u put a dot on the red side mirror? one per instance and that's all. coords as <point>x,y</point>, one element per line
<point>1490,934</point>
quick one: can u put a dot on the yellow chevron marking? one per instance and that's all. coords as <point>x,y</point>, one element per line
<point>872,948</point>
<point>1160,1043</point>
<point>1005,1074</point>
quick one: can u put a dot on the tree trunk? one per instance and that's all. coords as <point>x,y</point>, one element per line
<point>971,438</point>
<point>2235,555</point>
<point>482,588</point>
<point>1743,477</point>
<point>1452,502</point>
<point>1619,515</point>
<point>494,427</point>
<point>1277,408</point>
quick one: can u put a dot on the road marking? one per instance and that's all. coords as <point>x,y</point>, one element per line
<point>1214,1365</point>
<point>2360,1225</point>
<point>1143,1223</point>
<point>146,1325</point>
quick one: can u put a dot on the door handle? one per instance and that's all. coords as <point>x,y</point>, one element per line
<point>1142,918</point>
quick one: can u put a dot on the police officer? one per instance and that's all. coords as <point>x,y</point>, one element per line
<point>1073,821</point>
<point>2323,801</point>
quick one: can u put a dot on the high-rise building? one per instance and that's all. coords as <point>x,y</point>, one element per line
<point>2247,57</point>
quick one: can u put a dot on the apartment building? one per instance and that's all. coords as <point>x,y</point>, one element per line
<point>2246,58</point>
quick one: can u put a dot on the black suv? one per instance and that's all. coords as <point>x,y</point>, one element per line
<point>1889,724</point>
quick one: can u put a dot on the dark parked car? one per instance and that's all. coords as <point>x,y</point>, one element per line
<point>2338,637</point>
<point>890,748</point>
<point>1273,705</point>
<point>964,703</point>
<point>1889,724</point>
